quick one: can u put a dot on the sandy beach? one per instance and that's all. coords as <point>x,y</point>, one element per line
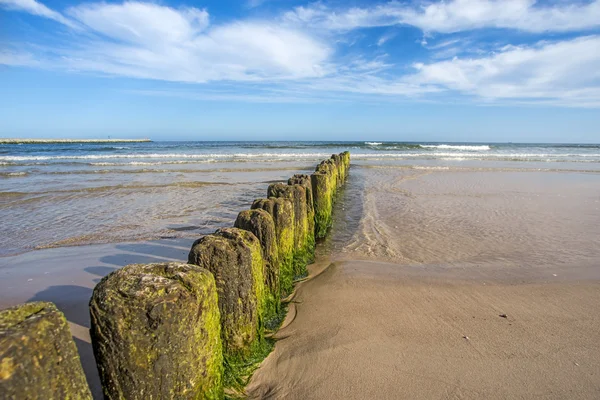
<point>375,330</point>
<point>489,288</point>
<point>476,280</point>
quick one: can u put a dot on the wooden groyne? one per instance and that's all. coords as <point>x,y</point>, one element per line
<point>51,141</point>
<point>194,330</point>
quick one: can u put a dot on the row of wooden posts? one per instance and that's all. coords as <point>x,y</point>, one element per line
<point>180,330</point>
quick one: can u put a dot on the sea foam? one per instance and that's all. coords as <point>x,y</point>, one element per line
<point>456,147</point>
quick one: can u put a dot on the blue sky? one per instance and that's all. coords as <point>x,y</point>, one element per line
<point>454,70</point>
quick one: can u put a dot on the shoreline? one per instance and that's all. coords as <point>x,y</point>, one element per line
<point>51,141</point>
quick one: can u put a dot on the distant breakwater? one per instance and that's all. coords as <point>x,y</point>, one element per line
<point>194,330</point>
<point>50,141</point>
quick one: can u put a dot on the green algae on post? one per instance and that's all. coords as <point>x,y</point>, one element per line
<point>261,224</point>
<point>323,202</point>
<point>282,212</point>
<point>39,359</point>
<point>337,160</point>
<point>156,333</point>
<point>328,176</point>
<point>304,180</point>
<point>304,244</point>
<point>234,256</point>
<point>330,171</point>
<point>346,159</point>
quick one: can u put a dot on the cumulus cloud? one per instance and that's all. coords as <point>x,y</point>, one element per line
<point>455,16</point>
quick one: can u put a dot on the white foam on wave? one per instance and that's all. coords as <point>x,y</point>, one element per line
<point>456,147</point>
<point>145,163</point>
<point>373,143</point>
<point>162,156</point>
<point>434,168</point>
<point>469,155</point>
<point>13,173</point>
<point>178,158</point>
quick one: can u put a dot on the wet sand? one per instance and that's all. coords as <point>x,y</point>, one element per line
<point>451,284</point>
<point>374,330</point>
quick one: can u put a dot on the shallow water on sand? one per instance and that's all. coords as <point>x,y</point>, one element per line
<point>74,194</point>
<point>500,218</point>
<point>116,206</point>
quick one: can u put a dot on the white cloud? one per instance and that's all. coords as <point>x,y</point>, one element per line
<point>455,16</point>
<point>255,3</point>
<point>320,16</point>
<point>385,38</point>
<point>142,23</point>
<point>33,7</point>
<point>525,15</point>
<point>562,72</point>
<point>145,40</point>
<point>20,59</point>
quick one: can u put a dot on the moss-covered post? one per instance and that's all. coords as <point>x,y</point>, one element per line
<point>323,201</point>
<point>328,167</point>
<point>38,358</point>
<point>156,333</point>
<point>234,256</point>
<point>261,224</point>
<point>303,246</point>
<point>282,212</point>
<point>346,158</point>
<point>339,165</point>
<point>304,180</point>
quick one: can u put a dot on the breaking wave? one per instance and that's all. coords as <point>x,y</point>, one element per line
<point>162,156</point>
<point>456,147</point>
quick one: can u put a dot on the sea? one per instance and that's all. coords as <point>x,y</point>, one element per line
<point>67,194</point>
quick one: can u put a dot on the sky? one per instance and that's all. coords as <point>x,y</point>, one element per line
<point>453,70</point>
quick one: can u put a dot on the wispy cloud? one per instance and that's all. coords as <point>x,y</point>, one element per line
<point>383,39</point>
<point>255,3</point>
<point>562,72</point>
<point>455,16</point>
<point>20,59</point>
<point>145,40</point>
<point>35,8</point>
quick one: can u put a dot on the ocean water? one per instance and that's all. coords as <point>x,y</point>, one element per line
<point>55,195</point>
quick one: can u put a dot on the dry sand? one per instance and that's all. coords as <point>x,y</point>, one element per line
<point>365,330</point>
